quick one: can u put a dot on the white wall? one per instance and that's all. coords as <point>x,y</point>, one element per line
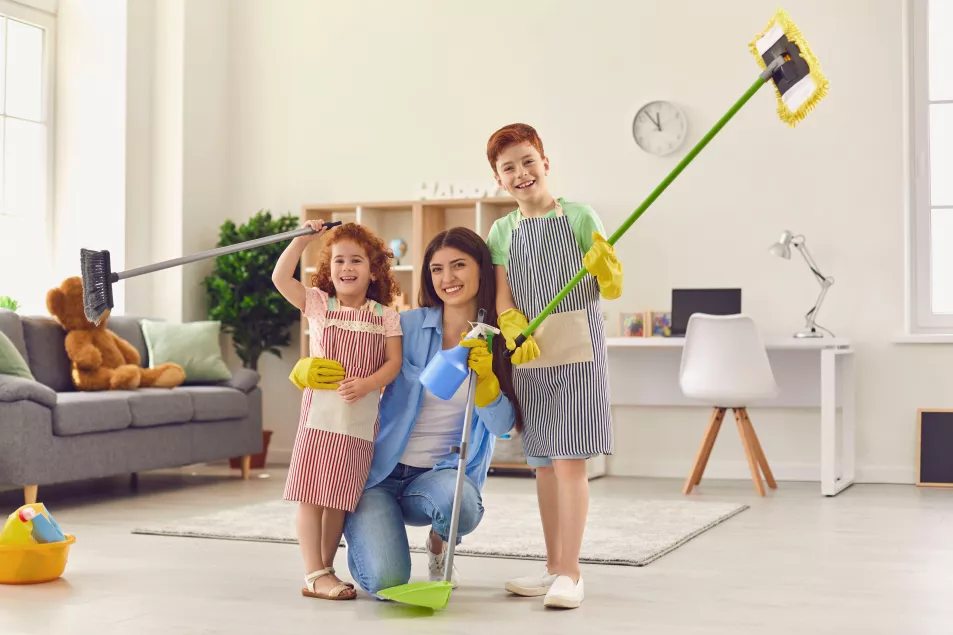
<point>158,108</point>
<point>89,195</point>
<point>361,100</point>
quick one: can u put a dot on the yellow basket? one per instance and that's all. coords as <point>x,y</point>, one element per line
<point>31,564</point>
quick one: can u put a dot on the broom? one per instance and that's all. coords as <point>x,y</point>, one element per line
<point>786,59</point>
<point>98,278</point>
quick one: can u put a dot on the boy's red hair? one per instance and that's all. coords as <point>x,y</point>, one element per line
<point>384,286</point>
<point>509,135</point>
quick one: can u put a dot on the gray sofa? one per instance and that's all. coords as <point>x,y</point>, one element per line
<point>51,433</point>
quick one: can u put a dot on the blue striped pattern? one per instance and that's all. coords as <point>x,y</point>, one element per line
<point>565,408</point>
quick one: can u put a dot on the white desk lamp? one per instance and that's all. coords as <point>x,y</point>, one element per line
<point>782,249</point>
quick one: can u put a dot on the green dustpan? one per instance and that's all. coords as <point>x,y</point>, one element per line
<point>436,595</point>
<point>431,595</point>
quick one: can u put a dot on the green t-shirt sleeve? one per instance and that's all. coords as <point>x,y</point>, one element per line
<point>584,221</point>
<point>498,240</point>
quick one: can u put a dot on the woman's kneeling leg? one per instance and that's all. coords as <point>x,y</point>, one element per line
<point>378,555</point>
<point>428,500</point>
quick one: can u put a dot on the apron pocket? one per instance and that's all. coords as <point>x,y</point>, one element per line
<point>563,338</point>
<point>330,413</point>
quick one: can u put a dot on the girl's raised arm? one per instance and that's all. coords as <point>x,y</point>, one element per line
<point>283,275</point>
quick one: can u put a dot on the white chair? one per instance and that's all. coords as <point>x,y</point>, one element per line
<point>725,364</point>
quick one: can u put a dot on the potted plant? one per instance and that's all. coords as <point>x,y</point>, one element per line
<point>6,302</point>
<point>244,299</point>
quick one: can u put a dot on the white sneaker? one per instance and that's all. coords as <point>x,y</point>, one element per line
<point>532,585</point>
<point>436,564</point>
<point>564,594</point>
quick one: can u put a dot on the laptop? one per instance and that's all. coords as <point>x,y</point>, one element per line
<point>685,302</point>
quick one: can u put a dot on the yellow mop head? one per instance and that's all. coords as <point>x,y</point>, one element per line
<point>799,84</point>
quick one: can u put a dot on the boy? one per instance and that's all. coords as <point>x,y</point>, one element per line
<point>560,373</point>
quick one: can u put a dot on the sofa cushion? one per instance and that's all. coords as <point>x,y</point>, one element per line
<point>12,362</point>
<point>46,352</point>
<point>129,329</point>
<point>12,327</point>
<point>159,406</point>
<point>195,346</point>
<point>215,403</point>
<point>84,412</point>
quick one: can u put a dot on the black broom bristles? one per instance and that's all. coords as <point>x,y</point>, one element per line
<point>97,284</point>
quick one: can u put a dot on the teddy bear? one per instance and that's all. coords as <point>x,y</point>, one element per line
<point>101,359</point>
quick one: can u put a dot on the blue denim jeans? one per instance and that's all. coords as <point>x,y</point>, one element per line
<point>378,553</point>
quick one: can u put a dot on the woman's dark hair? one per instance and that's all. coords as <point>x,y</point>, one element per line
<point>470,243</point>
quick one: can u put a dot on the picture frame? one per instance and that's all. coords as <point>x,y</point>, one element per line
<point>659,324</point>
<point>632,324</point>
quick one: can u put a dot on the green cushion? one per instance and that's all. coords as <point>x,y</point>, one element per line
<point>194,346</point>
<point>11,362</point>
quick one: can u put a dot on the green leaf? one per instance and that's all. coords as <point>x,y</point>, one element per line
<point>240,291</point>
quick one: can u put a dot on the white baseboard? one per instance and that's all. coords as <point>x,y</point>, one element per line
<point>279,457</point>
<point>739,470</point>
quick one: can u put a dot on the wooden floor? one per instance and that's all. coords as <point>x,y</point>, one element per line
<point>876,559</point>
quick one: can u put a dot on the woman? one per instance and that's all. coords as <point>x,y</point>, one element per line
<point>413,473</point>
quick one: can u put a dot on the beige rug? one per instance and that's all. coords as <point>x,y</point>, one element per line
<point>622,532</point>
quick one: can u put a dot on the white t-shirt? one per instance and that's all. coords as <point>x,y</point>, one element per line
<point>439,426</point>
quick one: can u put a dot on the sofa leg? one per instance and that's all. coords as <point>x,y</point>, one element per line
<point>29,494</point>
<point>246,466</point>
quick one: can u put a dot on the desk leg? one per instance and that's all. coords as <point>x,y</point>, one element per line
<point>828,422</point>
<point>837,467</point>
<point>848,420</point>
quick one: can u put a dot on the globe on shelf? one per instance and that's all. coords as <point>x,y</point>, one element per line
<point>399,247</point>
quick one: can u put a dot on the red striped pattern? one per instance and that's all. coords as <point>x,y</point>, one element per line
<point>330,468</point>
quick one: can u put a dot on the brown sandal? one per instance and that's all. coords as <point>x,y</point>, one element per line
<point>343,591</point>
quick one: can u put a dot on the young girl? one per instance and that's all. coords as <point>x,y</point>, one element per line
<point>560,377</point>
<point>355,343</point>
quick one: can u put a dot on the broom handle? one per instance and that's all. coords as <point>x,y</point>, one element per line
<point>532,326</point>
<point>212,253</point>
<point>461,469</point>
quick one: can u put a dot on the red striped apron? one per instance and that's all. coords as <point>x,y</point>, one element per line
<point>335,441</point>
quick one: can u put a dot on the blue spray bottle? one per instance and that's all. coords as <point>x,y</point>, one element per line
<point>448,369</point>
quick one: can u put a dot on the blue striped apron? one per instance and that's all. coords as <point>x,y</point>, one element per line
<point>564,393</point>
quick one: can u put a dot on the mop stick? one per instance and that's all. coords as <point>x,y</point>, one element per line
<point>436,595</point>
<point>798,88</point>
<point>98,278</point>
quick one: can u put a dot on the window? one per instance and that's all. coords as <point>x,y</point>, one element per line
<point>26,56</point>
<point>931,165</point>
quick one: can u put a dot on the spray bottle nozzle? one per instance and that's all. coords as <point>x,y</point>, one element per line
<point>479,330</point>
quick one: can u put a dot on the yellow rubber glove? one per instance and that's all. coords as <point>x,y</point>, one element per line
<point>480,361</point>
<point>512,323</point>
<point>601,262</point>
<point>317,373</point>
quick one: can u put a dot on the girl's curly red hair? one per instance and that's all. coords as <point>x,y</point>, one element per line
<point>383,287</point>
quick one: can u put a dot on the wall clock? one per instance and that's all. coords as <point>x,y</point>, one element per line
<point>660,127</point>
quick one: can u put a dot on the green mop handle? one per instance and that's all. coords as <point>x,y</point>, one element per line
<point>765,75</point>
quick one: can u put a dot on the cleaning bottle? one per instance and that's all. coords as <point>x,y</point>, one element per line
<point>18,530</point>
<point>448,369</point>
<point>40,508</point>
<point>44,531</point>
